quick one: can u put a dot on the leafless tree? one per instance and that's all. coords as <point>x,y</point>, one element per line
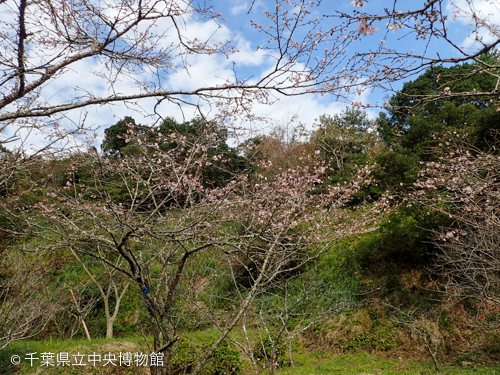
<point>425,327</point>
<point>75,313</point>
<point>282,313</point>
<point>111,285</point>
<point>26,302</point>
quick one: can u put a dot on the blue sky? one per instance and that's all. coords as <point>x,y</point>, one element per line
<point>252,61</point>
<point>238,21</point>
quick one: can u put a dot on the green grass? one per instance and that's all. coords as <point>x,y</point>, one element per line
<point>306,363</point>
<point>320,363</point>
<point>72,347</point>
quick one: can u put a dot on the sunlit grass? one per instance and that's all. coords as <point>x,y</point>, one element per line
<point>305,362</point>
<point>321,363</point>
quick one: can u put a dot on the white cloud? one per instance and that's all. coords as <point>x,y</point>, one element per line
<point>480,17</point>
<point>202,71</point>
<point>248,55</point>
<point>243,6</point>
<point>240,8</point>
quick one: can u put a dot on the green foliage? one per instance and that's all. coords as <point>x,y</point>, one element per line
<point>226,162</point>
<point>343,137</point>
<point>223,293</point>
<point>381,261</point>
<point>115,142</point>
<point>131,315</point>
<point>402,239</point>
<point>338,274</point>
<point>183,358</point>
<point>224,361</point>
<point>460,78</point>
<point>345,142</point>
<point>413,127</point>
<point>379,339</point>
<point>454,111</point>
<point>316,363</point>
<point>396,170</point>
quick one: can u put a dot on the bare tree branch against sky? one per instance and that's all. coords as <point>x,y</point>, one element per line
<point>69,64</point>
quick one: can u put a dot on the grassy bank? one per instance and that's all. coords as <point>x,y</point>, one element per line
<point>305,362</point>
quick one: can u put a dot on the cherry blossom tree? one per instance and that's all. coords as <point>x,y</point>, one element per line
<point>149,216</point>
<point>463,184</point>
<point>118,40</point>
<point>130,50</point>
<point>150,209</point>
<point>285,223</point>
<point>420,25</point>
<point>131,40</point>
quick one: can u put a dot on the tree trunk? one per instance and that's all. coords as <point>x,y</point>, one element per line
<point>80,314</point>
<point>109,327</point>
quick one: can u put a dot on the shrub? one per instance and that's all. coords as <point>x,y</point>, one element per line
<point>224,361</point>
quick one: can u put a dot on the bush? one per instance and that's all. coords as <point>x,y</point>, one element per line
<point>224,361</point>
<point>403,240</point>
<point>183,358</point>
